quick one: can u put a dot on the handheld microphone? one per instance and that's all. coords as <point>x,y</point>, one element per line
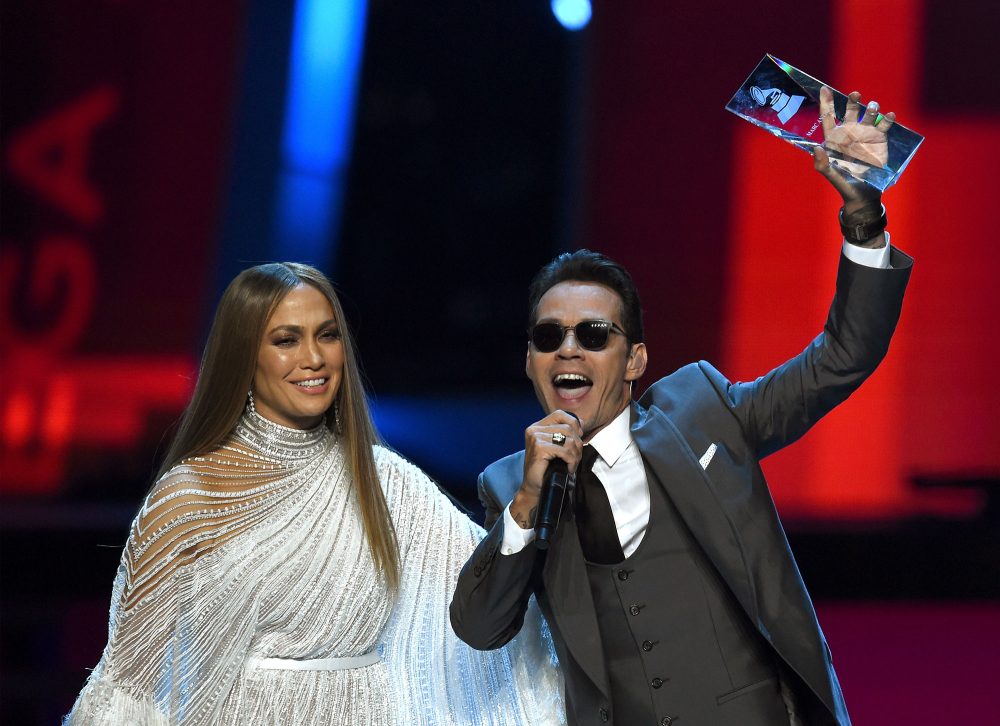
<point>551,501</point>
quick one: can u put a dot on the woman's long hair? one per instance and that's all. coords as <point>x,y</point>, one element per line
<point>226,374</point>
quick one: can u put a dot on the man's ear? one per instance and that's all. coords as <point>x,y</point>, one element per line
<point>636,364</point>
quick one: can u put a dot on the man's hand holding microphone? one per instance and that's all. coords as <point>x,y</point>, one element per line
<point>552,448</point>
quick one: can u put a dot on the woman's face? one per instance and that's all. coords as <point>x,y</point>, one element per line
<point>300,362</point>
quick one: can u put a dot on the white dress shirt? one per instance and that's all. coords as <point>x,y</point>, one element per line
<point>619,465</point>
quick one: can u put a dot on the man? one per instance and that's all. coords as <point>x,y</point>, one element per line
<point>669,586</point>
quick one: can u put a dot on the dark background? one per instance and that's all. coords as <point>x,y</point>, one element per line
<point>142,168</point>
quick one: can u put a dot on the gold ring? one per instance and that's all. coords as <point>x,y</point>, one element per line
<point>558,438</point>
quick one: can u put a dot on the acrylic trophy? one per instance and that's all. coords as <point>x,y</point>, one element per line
<point>783,100</point>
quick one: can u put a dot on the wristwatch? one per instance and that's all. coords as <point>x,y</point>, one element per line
<point>862,232</point>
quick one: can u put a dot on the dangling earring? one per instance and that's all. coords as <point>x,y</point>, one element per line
<point>336,418</point>
<point>250,405</point>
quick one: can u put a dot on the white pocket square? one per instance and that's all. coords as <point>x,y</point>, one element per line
<point>707,456</point>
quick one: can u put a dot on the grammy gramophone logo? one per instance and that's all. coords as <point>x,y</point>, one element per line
<point>781,103</point>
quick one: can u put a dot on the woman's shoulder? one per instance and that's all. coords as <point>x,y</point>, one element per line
<point>410,491</point>
<point>199,503</point>
<point>194,480</point>
<point>218,475</point>
<point>390,464</point>
<point>164,534</point>
<point>389,461</point>
<point>398,474</point>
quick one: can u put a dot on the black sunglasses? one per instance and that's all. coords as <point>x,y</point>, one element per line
<point>589,334</point>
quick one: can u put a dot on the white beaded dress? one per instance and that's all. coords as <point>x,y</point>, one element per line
<point>247,574</point>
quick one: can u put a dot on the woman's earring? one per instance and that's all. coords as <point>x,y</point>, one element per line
<point>250,405</point>
<point>336,418</point>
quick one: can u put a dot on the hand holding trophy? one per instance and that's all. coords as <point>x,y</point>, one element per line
<point>796,107</point>
<point>861,156</point>
<point>862,136</point>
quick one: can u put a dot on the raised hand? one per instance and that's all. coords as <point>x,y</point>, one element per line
<point>863,140</point>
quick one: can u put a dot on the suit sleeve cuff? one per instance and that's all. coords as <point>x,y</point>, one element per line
<point>515,539</point>
<point>878,258</point>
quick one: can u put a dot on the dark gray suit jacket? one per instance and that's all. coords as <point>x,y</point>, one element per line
<point>726,506</point>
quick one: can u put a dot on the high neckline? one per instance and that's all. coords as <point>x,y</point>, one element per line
<point>282,442</point>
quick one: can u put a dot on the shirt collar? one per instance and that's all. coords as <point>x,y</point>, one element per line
<point>614,439</point>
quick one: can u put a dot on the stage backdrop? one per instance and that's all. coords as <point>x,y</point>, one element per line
<point>142,161</point>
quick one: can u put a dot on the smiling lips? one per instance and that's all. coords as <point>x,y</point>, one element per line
<point>312,385</point>
<point>571,386</point>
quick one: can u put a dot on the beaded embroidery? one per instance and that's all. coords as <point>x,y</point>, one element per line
<point>256,550</point>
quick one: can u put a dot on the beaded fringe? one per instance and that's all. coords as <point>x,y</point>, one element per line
<point>257,551</point>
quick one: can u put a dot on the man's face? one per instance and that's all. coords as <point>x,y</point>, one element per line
<point>593,384</point>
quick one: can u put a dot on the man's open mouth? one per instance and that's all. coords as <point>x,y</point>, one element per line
<point>571,385</point>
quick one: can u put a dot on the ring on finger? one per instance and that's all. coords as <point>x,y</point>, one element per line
<point>558,438</point>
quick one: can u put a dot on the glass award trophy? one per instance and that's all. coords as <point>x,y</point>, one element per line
<point>783,100</point>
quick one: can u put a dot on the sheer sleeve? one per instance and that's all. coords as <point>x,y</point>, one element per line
<point>183,605</point>
<point>438,678</point>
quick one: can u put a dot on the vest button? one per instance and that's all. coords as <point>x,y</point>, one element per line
<point>656,683</point>
<point>647,646</point>
<point>604,714</point>
<point>634,609</point>
<point>622,575</point>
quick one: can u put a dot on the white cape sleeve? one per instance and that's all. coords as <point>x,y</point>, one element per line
<point>182,617</point>
<point>172,657</point>
<point>437,679</point>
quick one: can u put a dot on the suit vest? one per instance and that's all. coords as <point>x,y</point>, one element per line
<point>677,645</point>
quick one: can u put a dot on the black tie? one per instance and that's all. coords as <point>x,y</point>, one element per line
<point>594,521</point>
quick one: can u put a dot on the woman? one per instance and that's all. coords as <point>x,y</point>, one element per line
<point>288,569</point>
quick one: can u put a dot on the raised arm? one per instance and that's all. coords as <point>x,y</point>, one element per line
<point>779,407</point>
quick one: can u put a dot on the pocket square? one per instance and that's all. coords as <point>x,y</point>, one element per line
<point>707,456</point>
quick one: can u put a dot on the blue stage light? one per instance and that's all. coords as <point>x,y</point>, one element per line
<point>572,14</point>
<point>319,116</point>
<point>325,55</point>
<point>444,434</point>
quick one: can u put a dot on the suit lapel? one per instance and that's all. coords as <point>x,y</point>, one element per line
<point>676,468</point>
<point>565,578</point>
